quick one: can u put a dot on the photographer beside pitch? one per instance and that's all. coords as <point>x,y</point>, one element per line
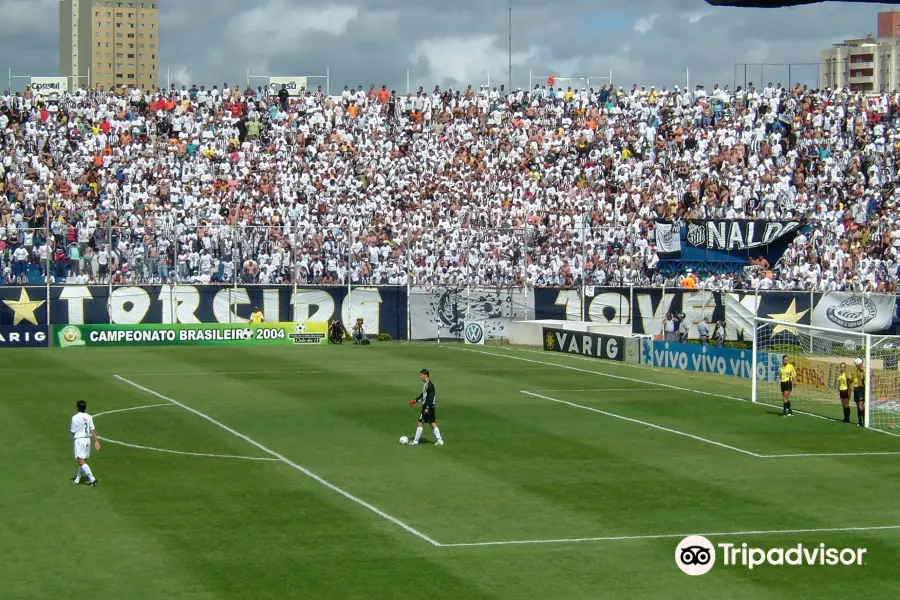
<point>427,415</point>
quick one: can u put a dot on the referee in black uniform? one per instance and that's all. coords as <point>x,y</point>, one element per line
<point>427,415</point>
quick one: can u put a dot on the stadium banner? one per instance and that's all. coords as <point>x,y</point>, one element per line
<point>739,235</point>
<point>595,345</point>
<point>24,336</point>
<point>445,311</point>
<point>295,86</point>
<point>709,359</point>
<point>646,308</point>
<point>474,333</point>
<point>383,309</point>
<point>45,86</point>
<point>854,312</point>
<point>181,334</point>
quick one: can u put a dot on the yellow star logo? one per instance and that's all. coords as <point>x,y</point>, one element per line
<point>789,316</point>
<point>24,308</point>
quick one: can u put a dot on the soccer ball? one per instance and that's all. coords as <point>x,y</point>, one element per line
<point>858,362</point>
<point>404,440</point>
<point>300,328</point>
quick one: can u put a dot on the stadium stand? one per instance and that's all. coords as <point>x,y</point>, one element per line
<point>483,186</point>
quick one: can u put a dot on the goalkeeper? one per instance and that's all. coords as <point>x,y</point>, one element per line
<point>427,398</point>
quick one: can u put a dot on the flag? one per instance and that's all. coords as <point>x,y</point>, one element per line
<point>668,239</point>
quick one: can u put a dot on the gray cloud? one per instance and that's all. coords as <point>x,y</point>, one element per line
<point>375,41</point>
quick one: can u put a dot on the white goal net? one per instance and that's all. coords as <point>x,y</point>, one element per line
<point>819,355</point>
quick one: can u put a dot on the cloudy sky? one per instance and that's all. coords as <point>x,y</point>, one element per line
<point>363,42</point>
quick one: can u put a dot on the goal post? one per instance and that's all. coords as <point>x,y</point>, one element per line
<point>819,356</point>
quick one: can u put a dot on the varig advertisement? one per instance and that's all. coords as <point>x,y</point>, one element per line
<point>213,334</point>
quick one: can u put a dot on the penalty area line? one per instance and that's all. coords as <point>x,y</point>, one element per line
<point>288,462</point>
<point>645,424</point>
<point>665,536</point>
<point>167,451</point>
<point>645,382</point>
<point>121,410</point>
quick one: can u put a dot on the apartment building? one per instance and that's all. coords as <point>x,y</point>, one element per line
<point>109,44</point>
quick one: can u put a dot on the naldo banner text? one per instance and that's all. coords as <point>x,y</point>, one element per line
<point>708,359</point>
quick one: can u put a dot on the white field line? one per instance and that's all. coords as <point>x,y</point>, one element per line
<point>290,372</point>
<point>607,390</point>
<point>166,451</point>
<point>664,536</point>
<point>621,377</point>
<point>288,462</point>
<point>837,454</point>
<point>647,424</point>
<point>696,437</point>
<point>110,412</point>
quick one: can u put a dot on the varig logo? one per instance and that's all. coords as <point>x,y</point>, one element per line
<point>852,313</point>
<point>549,342</point>
<point>696,234</point>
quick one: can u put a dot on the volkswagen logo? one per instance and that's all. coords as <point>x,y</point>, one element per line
<point>474,333</point>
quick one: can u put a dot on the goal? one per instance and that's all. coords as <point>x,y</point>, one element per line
<point>818,354</point>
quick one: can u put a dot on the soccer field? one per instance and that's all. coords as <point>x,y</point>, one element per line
<point>260,473</point>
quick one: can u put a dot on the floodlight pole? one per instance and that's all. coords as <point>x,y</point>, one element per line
<point>509,89</point>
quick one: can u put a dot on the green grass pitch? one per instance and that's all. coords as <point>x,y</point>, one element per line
<point>276,473</point>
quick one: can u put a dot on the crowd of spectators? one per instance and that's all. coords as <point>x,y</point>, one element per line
<point>486,186</point>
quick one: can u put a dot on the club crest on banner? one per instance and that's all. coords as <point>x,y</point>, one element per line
<point>696,234</point>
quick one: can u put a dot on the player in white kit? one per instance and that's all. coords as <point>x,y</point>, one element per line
<point>82,429</point>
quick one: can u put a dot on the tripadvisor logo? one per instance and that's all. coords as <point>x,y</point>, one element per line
<point>474,333</point>
<point>696,555</point>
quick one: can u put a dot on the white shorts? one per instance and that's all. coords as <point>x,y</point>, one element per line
<point>82,448</point>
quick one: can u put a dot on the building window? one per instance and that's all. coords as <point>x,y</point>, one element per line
<point>131,76</point>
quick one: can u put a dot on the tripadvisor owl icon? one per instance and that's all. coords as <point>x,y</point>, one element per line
<point>474,333</point>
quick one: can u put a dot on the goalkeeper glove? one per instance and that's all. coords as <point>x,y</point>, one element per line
<point>412,402</point>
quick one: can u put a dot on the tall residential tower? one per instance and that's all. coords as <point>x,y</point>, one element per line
<point>109,43</point>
